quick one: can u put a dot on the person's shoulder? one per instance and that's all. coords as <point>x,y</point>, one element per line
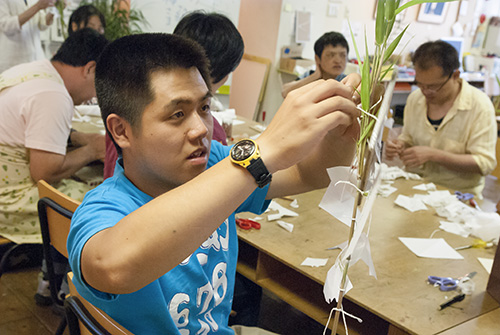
<point>218,152</point>
<point>340,77</point>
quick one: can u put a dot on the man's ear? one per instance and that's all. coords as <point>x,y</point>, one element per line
<point>89,70</point>
<point>120,130</point>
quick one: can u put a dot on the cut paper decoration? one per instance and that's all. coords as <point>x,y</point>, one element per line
<point>294,204</point>
<point>358,248</point>
<point>314,262</point>
<point>285,225</point>
<point>412,204</point>
<point>282,211</point>
<point>338,200</point>
<point>430,248</point>
<point>331,289</point>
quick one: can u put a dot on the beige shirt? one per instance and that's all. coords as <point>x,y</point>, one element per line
<point>469,127</point>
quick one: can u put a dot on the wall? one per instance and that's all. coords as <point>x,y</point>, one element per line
<point>361,18</point>
<point>259,26</point>
<point>268,25</point>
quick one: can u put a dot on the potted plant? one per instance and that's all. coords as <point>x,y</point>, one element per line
<point>121,20</point>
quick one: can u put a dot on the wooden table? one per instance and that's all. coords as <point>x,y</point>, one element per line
<point>399,302</point>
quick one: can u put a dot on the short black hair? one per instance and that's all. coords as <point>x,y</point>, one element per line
<point>82,15</point>
<point>331,38</point>
<point>82,47</point>
<point>219,37</point>
<point>437,53</point>
<point>123,72</point>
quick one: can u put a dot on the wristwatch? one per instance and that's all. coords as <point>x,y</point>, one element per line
<point>245,153</point>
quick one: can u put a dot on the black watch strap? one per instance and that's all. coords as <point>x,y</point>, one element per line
<point>259,171</point>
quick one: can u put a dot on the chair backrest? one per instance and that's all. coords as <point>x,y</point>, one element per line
<point>85,318</point>
<point>55,210</point>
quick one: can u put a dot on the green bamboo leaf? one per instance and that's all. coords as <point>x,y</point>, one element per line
<point>365,79</point>
<point>380,23</point>
<point>386,71</point>
<point>360,64</point>
<point>393,45</point>
<point>390,7</point>
<point>417,2</point>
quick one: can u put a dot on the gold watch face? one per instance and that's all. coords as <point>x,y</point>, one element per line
<point>242,150</point>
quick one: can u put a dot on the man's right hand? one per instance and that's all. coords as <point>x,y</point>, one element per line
<point>306,116</point>
<point>393,148</point>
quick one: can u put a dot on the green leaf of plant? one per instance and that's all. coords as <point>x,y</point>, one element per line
<point>380,23</point>
<point>360,63</point>
<point>393,45</point>
<point>417,2</point>
<point>390,7</point>
<point>365,79</point>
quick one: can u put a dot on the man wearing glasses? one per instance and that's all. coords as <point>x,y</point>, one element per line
<point>449,133</point>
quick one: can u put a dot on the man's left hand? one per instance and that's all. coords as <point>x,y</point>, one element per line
<point>416,156</point>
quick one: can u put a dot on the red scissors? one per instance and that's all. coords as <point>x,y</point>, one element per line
<point>247,224</point>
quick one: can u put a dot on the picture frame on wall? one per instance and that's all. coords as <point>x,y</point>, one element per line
<point>434,12</point>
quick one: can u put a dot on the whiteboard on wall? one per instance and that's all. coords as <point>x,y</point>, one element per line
<point>163,15</point>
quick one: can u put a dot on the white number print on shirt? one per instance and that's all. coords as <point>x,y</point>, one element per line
<point>213,291</point>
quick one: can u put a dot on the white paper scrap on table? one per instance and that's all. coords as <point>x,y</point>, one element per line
<point>339,199</point>
<point>285,225</point>
<point>454,228</point>
<point>487,263</point>
<point>386,190</point>
<point>395,172</point>
<point>294,204</point>
<point>282,211</point>
<point>430,248</point>
<point>314,262</point>
<point>425,187</point>
<point>410,203</point>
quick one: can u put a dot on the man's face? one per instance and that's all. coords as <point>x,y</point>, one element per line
<point>436,86</point>
<point>86,88</point>
<point>333,61</point>
<point>171,145</point>
<point>94,22</point>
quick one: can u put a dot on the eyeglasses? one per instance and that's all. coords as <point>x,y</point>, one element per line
<point>433,87</point>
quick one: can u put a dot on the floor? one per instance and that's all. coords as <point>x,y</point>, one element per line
<point>19,315</point>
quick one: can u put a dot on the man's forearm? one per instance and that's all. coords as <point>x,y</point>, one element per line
<point>288,87</point>
<point>455,162</point>
<point>335,150</point>
<point>28,14</point>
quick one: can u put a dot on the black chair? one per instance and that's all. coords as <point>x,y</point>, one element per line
<point>85,318</point>
<point>77,315</point>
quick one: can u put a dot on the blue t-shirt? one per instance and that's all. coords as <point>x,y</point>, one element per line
<point>310,72</point>
<point>196,296</point>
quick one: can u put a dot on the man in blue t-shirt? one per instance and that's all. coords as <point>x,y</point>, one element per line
<point>331,51</point>
<point>155,246</point>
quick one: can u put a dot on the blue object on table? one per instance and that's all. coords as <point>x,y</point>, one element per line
<point>464,196</point>
<point>444,283</point>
